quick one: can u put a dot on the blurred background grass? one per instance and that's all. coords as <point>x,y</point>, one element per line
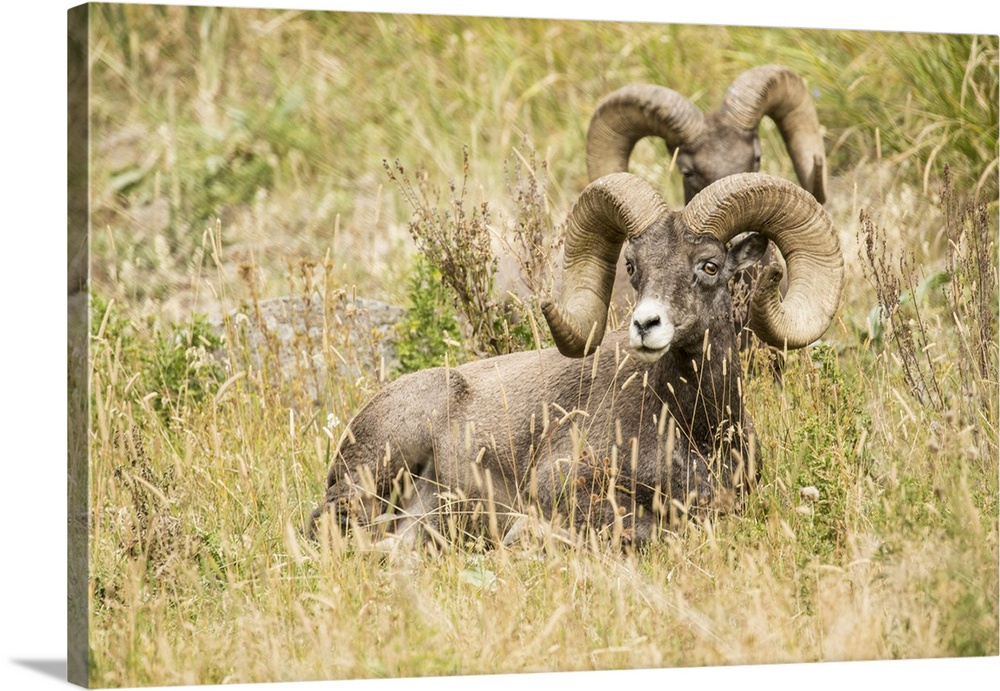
<point>277,122</point>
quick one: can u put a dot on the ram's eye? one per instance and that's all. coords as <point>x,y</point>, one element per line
<point>629,269</point>
<point>711,268</point>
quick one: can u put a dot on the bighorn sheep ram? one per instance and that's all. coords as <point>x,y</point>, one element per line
<point>713,145</point>
<point>625,432</point>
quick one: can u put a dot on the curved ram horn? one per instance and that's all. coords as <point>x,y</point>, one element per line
<point>632,112</point>
<point>610,210</point>
<point>803,233</point>
<point>782,95</point>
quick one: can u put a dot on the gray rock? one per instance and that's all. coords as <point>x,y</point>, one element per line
<point>301,344</point>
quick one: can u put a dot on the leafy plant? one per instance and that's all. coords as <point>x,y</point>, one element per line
<point>180,366</point>
<point>429,336</point>
<point>176,363</point>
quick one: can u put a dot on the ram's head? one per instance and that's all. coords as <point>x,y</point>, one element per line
<point>680,260</point>
<point>710,146</point>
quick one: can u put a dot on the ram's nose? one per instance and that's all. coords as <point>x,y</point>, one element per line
<point>645,324</point>
<point>651,330</point>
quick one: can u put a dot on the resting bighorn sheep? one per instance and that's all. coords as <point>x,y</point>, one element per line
<point>616,431</point>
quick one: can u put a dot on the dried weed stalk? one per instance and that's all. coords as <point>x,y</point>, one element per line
<point>972,269</point>
<point>459,244</point>
<point>965,379</point>
<point>535,241</point>
<point>972,293</point>
<point>893,279</point>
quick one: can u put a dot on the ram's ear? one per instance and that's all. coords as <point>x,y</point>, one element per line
<point>745,251</point>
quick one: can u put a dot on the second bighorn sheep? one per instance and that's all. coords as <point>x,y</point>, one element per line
<point>710,146</point>
<point>621,431</point>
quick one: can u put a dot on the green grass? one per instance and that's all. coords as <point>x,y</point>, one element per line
<point>241,155</point>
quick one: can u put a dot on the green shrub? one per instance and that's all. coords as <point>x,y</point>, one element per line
<point>180,365</point>
<point>429,336</point>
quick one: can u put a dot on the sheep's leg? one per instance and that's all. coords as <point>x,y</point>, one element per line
<point>417,518</point>
<point>406,513</point>
<point>388,440</point>
<point>577,490</point>
<point>346,503</point>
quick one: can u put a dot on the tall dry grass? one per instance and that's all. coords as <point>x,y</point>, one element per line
<point>238,155</point>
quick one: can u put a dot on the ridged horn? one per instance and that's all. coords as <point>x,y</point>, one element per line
<point>632,112</point>
<point>804,234</point>
<point>610,210</point>
<point>781,94</point>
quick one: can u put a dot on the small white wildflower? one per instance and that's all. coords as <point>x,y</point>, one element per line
<point>331,422</point>
<point>809,493</point>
